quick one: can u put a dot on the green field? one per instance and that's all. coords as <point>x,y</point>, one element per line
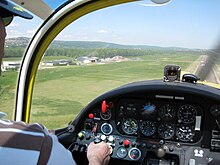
<point>61,92</point>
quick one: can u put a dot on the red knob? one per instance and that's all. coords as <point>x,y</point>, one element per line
<point>126,142</point>
<point>91,115</point>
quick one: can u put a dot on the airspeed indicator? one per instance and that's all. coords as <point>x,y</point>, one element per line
<point>187,114</point>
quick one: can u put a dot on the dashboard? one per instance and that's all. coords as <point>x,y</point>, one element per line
<point>150,122</point>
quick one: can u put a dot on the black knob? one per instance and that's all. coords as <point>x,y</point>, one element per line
<point>121,142</point>
<point>144,145</point>
<point>97,140</point>
<point>138,144</point>
<point>171,148</point>
<point>88,136</point>
<point>154,146</point>
<point>133,144</point>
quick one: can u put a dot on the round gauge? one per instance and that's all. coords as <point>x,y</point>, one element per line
<point>129,126</point>
<point>107,115</point>
<point>166,130</point>
<point>148,128</point>
<point>106,128</point>
<point>187,113</point>
<point>122,152</point>
<point>185,133</point>
<point>215,111</point>
<point>134,154</point>
<point>167,112</point>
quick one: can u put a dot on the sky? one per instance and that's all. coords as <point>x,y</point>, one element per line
<point>180,23</point>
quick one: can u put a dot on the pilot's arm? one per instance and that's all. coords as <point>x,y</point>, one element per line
<point>21,143</point>
<point>59,154</point>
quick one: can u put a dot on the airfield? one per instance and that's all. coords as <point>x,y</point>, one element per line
<point>61,92</point>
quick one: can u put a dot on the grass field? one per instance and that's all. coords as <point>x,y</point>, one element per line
<point>61,92</point>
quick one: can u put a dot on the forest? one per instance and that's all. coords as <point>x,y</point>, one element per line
<point>101,52</point>
<point>15,47</point>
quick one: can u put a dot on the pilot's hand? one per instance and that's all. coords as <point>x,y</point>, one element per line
<point>98,154</point>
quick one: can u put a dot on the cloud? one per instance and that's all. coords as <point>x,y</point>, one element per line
<point>102,31</point>
<point>64,36</point>
<point>14,25</point>
<point>11,33</point>
<point>71,36</point>
<point>32,31</point>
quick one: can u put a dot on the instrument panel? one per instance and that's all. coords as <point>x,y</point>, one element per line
<point>152,121</point>
<point>159,120</point>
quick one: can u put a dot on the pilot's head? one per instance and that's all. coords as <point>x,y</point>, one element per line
<point>7,11</point>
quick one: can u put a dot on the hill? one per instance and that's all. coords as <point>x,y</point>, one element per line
<point>23,41</point>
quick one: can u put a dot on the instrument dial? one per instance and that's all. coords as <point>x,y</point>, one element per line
<point>134,154</point>
<point>148,128</point>
<point>185,133</point>
<point>129,126</point>
<point>215,111</point>
<point>167,112</point>
<point>187,113</point>
<point>106,128</point>
<point>122,152</point>
<point>166,130</point>
<point>107,115</point>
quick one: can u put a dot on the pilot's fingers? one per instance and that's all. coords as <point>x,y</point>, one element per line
<point>100,149</point>
<point>106,160</point>
<point>98,153</point>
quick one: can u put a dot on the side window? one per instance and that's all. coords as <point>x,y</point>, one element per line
<point>17,38</point>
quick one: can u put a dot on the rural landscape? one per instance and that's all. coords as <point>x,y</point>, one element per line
<point>63,89</point>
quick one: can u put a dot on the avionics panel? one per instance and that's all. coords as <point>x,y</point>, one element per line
<point>159,119</point>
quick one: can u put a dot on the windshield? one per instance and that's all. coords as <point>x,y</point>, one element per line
<point>122,44</point>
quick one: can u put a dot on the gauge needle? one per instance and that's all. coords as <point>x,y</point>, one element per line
<point>169,114</point>
<point>182,130</point>
<point>127,125</point>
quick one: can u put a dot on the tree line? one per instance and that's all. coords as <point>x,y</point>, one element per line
<point>101,53</point>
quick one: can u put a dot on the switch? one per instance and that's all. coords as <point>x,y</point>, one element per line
<point>126,143</point>
<point>120,141</point>
<point>133,144</point>
<point>81,135</point>
<point>103,137</point>
<point>111,139</point>
<point>95,128</point>
<point>97,140</point>
<point>87,136</point>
